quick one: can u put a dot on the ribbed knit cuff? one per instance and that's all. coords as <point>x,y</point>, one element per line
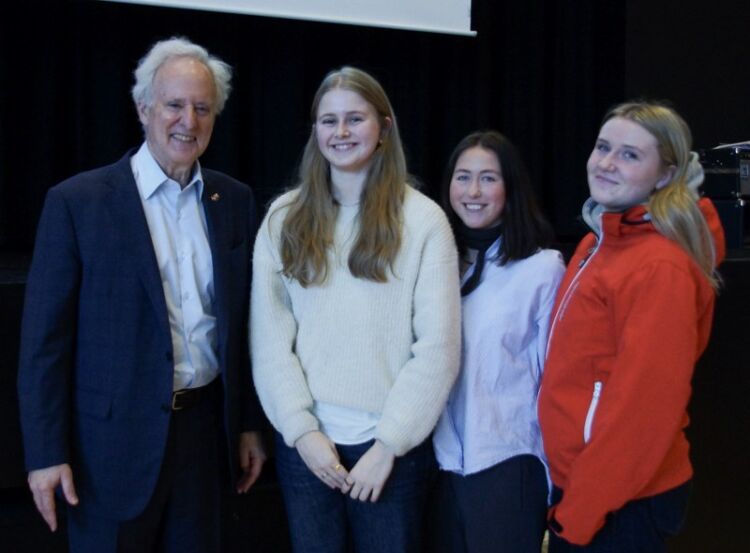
<point>298,425</point>
<point>392,434</point>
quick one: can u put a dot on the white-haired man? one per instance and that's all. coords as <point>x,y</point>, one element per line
<point>134,381</point>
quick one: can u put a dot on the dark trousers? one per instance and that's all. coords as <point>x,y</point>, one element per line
<point>640,526</point>
<point>183,515</point>
<point>500,509</point>
<point>322,520</point>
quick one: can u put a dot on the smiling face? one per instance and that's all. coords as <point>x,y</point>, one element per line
<point>477,189</point>
<point>625,166</point>
<point>347,129</point>
<point>181,119</point>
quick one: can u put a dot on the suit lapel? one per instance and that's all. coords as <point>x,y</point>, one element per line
<point>216,208</point>
<point>127,213</point>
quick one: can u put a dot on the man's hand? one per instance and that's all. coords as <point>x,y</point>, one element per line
<point>320,455</point>
<point>369,475</point>
<point>43,482</point>
<point>252,457</point>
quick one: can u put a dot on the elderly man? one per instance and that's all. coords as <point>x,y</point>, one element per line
<point>134,381</point>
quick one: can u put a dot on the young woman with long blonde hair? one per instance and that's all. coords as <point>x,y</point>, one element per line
<point>354,328</point>
<point>632,316</point>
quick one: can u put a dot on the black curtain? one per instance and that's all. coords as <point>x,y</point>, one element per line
<point>694,55</point>
<point>536,71</point>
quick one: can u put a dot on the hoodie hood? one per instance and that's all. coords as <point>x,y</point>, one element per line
<point>592,214</point>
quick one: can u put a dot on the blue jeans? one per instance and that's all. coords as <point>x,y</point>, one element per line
<point>326,521</point>
<point>639,526</point>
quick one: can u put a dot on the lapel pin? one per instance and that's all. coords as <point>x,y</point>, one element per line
<point>215,197</point>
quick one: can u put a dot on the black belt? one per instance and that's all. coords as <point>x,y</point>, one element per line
<point>190,397</point>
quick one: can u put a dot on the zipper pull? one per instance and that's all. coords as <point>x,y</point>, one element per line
<point>589,422</point>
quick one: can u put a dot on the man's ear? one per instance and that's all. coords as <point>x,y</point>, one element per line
<point>666,178</point>
<point>143,113</point>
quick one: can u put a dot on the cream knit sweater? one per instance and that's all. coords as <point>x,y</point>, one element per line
<point>389,348</point>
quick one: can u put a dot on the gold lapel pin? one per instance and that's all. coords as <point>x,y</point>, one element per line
<point>215,197</point>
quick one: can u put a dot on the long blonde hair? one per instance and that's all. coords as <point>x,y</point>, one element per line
<point>673,208</point>
<point>307,231</point>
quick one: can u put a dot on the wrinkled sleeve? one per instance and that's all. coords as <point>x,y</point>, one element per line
<point>48,337</point>
<point>554,271</point>
<point>278,375</point>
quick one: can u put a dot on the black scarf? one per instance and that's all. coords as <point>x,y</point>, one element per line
<point>480,240</point>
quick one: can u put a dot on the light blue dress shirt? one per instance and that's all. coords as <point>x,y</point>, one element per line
<point>177,224</point>
<point>491,414</point>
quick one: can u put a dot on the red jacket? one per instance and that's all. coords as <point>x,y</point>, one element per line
<point>632,316</point>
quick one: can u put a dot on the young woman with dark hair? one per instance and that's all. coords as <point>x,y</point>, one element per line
<point>491,492</point>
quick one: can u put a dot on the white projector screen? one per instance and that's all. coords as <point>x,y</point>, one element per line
<point>437,16</point>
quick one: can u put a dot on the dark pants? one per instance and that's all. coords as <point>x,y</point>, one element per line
<point>183,515</point>
<point>640,526</point>
<point>322,520</point>
<point>500,509</point>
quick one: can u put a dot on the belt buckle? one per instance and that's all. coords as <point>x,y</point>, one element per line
<point>175,397</point>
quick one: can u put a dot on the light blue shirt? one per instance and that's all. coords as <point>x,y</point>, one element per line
<point>491,414</point>
<point>177,224</point>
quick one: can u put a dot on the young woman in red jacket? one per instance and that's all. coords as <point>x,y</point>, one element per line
<point>632,316</point>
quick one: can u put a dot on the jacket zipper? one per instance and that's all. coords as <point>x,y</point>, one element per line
<point>592,411</point>
<point>571,289</point>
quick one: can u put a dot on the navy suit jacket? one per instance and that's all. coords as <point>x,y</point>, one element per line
<point>96,368</point>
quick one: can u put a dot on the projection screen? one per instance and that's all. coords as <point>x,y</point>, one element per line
<point>437,16</point>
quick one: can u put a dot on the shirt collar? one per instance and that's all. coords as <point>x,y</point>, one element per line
<point>494,249</point>
<point>149,176</point>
